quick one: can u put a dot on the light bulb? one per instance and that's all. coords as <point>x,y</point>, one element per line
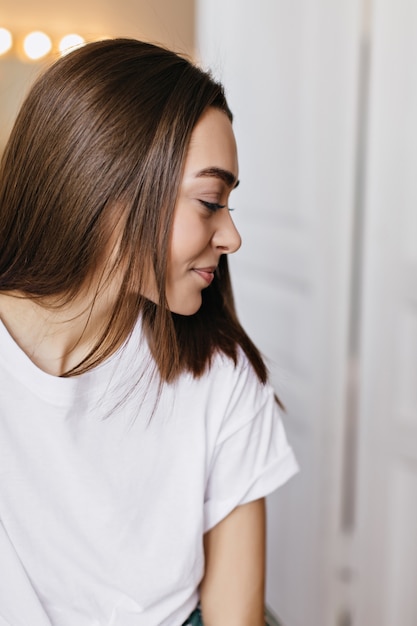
<point>37,45</point>
<point>70,42</point>
<point>6,40</point>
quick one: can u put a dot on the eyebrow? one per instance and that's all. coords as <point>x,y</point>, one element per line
<point>217,172</point>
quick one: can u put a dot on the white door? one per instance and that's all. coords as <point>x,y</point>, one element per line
<point>387,549</point>
<point>291,74</point>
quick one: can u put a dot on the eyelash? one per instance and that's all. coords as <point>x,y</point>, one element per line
<point>213,206</point>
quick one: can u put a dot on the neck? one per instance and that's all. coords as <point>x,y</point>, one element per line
<point>55,337</point>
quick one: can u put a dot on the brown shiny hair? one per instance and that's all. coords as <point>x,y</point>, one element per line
<point>105,127</point>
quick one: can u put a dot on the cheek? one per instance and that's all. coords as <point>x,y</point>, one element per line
<point>189,238</point>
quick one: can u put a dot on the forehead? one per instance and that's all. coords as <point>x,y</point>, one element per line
<point>212,149</point>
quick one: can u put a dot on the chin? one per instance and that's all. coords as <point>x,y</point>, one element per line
<point>186,308</point>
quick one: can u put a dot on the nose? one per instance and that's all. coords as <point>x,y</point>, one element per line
<point>226,236</point>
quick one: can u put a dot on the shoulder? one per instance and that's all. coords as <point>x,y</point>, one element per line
<point>228,394</point>
<point>223,371</point>
<point>228,379</point>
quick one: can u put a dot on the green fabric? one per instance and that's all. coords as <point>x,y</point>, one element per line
<point>195,619</point>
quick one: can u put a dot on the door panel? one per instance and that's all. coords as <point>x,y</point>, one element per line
<point>387,544</point>
<point>291,76</point>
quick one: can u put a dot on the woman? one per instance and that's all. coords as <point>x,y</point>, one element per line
<point>139,434</point>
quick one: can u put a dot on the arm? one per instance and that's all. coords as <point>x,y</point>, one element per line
<point>232,590</point>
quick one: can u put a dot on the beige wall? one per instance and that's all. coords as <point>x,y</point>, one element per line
<point>164,21</point>
<point>169,22</point>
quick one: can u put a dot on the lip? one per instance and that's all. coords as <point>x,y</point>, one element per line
<point>206,273</point>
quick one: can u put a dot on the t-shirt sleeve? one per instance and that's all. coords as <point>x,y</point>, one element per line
<point>251,456</point>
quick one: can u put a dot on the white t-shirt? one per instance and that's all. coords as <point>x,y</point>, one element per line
<point>103,504</point>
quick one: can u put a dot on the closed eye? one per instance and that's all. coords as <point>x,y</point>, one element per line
<point>212,206</point>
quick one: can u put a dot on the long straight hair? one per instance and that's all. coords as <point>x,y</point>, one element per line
<point>101,140</point>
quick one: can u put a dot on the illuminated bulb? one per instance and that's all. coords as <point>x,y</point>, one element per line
<point>70,42</point>
<point>5,40</point>
<point>37,45</point>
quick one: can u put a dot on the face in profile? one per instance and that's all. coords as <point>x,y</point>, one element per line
<point>203,229</point>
